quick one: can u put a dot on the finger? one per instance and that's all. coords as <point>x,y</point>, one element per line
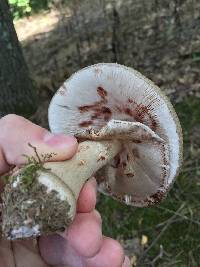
<point>87,198</point>
<point>16,135</point>
<point>55,250</point>
<point>111,254</point>
<point>83,239</point>
<point>26,254</point>
<point>4,166</point>
<point>6,254</point>
<point>85,234</point>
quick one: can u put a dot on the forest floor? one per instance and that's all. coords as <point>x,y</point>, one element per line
<point>165,235</point>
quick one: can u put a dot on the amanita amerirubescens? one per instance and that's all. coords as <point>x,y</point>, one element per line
<point>130,139</point>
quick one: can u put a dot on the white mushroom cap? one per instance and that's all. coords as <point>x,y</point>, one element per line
<point>94,100</point>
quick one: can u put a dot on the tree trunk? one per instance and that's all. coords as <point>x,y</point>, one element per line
<point>17,92</point>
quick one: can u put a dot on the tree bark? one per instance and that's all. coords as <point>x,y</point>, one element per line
<point>17,92</point>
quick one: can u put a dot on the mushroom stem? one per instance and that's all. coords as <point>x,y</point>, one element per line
<point>49,204</point>
<point>91,156</point>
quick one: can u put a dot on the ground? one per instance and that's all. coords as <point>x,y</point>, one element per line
<point>162,41</point>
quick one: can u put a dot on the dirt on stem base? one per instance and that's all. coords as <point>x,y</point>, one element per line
<point>32,211</point>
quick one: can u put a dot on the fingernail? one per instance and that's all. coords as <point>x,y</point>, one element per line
<point>59,140</point>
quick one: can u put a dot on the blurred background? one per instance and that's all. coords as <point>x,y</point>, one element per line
<point>161,39</point>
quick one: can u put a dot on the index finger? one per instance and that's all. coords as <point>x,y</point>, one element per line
<point>16,133</point>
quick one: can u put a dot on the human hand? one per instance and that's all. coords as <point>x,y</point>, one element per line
<point>82,244</point>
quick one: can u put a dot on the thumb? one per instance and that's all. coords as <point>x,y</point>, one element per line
<point>20,137</point>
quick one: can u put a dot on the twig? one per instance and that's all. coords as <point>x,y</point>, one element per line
<point>36,153</point>
<point>180,215</point>
<point>159,256</point>
<point>161,233</point>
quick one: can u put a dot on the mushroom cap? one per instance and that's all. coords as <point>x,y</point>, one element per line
<point>94,100</point>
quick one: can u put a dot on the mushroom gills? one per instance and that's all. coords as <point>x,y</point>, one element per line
<point>111,94</point>
<point>130,139</point>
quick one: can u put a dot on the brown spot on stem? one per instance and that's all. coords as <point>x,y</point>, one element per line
<point>101,158</point>
<point>81,162</point>
<point>83,148</point>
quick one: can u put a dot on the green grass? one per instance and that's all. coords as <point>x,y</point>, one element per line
<point>175,224</point>
<point>23,8</point>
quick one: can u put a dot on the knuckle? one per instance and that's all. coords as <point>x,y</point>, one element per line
<point>9,123</point>
<point>11,120</point>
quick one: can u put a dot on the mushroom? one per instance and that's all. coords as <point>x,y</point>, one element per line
<point>130,139</point>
